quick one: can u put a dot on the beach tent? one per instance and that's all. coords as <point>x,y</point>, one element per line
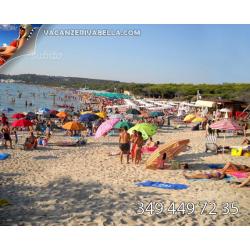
<point>146,129</point>
<point>105,127</point>
<point>73,126</point>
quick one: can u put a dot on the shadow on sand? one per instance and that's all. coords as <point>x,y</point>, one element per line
<point>64,200</point>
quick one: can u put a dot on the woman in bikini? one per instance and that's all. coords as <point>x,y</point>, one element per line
<point>210,175</point>
<point>8,51</point>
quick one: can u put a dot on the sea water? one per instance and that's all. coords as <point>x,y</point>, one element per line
<point>14,96</point>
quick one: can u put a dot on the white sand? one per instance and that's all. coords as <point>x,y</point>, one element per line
<point>84,186</point>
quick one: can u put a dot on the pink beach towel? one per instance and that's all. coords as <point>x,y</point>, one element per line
<point>239,174</point>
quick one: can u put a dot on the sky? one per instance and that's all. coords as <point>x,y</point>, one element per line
<point>161,54</point>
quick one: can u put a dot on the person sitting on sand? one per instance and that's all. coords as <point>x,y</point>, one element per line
<point>124,143</point>
<point>208,175</point>
<point>30,142</point>
<point>138,147</point>
<point>150,143</point>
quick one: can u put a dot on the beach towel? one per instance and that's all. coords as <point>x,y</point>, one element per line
<point>215,166</point>
<point>239,174</point>
<point>4,156</point>
<point>163,185</point>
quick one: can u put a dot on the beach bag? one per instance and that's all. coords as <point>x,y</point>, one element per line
<point>236,151</point>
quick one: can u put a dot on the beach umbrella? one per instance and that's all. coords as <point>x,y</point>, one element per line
<point>86,112</point>
<point>114,116</point>
<point>73,126</point>
<point>61,114</point>
<point>7,110</point>
<point>101,114</point>
<point>198,119</point>
<point>88,117</point>
<point>43,110</point>
<point>156,113</point>
<point>53,112</point>
<point>226,124</point>
<point>31,115</point>
<point>22,123</point>
<point>61,110</point>
<point>123,124</point>
<point>105,127</point>
<point>189,118</point>
<point>133,112</point>
<point>225,110</point>
<point>146,129</point>
<point>18,116</point>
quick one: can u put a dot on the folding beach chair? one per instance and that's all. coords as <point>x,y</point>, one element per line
<point>210,144</point>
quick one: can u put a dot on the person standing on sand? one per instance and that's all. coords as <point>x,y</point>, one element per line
<point>139,144</point>
<point>6,135</point>
<point>124,143</point>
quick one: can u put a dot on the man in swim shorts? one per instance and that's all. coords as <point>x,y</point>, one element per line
<point>124,143</point>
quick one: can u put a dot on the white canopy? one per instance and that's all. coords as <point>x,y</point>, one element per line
<point>208,104</point>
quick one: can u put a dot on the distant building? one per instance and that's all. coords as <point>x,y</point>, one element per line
<point>126,92</point>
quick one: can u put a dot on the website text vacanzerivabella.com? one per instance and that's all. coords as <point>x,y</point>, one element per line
<point>91,32</point>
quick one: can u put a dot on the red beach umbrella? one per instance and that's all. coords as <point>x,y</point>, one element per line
<point>18,116</point>
<point>22,123</point>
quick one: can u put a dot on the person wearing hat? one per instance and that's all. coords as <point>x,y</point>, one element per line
<point>8,51</point>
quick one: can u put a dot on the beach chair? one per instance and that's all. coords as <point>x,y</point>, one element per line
<point>210,144</point>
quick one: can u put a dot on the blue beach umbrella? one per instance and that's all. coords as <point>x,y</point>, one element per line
<point>156,113</point>
<point>88,117</point>
<point>7,109</point>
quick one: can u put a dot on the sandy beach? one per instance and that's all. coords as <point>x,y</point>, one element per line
<point>85,186</point>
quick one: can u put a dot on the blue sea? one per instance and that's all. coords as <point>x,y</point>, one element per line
<point>14,96</point>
